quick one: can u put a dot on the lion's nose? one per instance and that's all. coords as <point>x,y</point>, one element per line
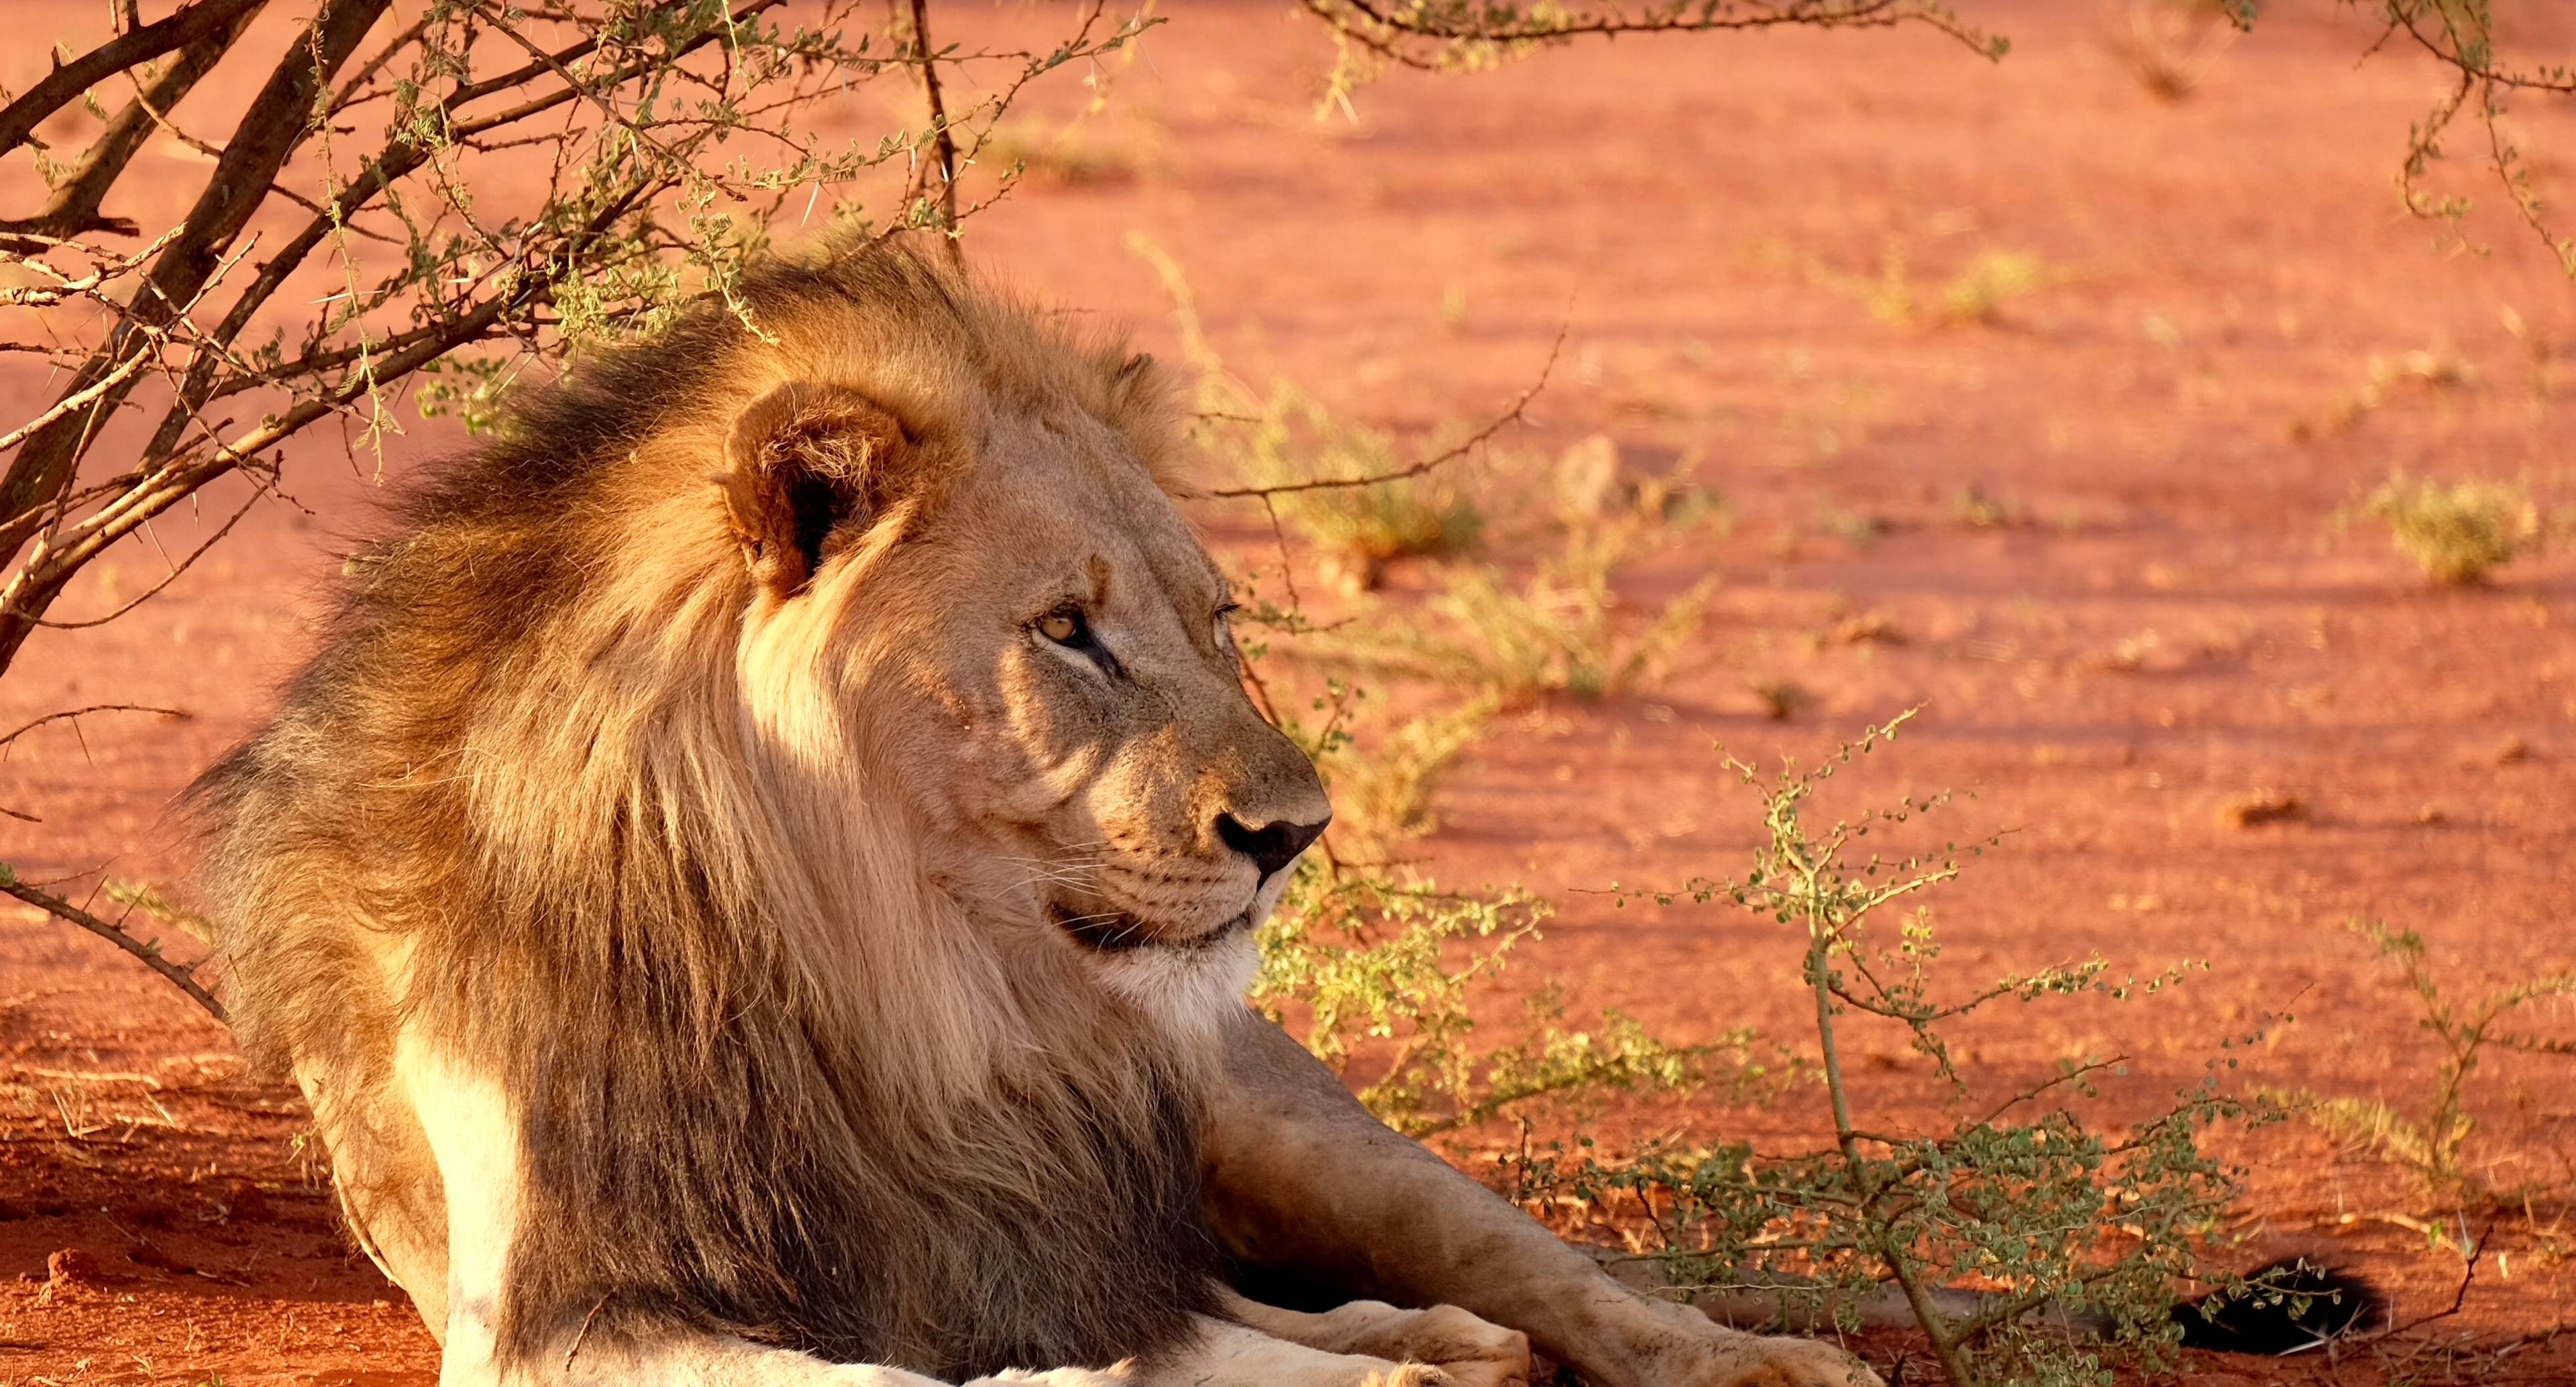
<point>1273,845</point>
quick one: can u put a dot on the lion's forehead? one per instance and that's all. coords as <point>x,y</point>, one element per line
<point>1101,519</point>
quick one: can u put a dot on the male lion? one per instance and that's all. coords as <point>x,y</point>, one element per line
<point>757,882</point>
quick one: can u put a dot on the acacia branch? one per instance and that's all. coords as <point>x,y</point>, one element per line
<point>944,144</point>
<point>69,714</point>
<point>74,208</point>
<point>31,591</point>
<point>397,160</point>
<point>151,334</point>
<point>2456,55</point>
<point>177,570</point>
<point>1517,413</point>
<point>149,951</point>
<point>1386,30</point>
<point>281,118</point>
<point>130,49</point>
<point>48,455</point>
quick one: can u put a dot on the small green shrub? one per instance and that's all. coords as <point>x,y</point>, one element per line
<point>2433,1141</point>
<point>2017,1196</point>
<point>2457,532</point>
<point>1379,976</point>
<point>1384,975</point>
<point>1381,784</point>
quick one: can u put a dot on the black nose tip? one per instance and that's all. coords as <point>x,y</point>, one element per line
<point>1271,846</point>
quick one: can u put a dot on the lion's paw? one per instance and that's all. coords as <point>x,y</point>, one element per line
<point>1748,1360</point>
<point>1468,1351</point>
<point>1409,1375</point>
<point>1120,1376</point>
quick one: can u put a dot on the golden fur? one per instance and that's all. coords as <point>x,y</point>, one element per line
<point>698,765</point>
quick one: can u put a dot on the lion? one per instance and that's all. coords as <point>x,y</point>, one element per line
<point>757,886</point>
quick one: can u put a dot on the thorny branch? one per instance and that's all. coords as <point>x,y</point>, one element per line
<point>1517,413</point>
<point>944,142</point>
<point>73,715</point>
<point>1444,35</point>
<point>147,951</point>
<point>134,47</point>
<point>1472,35</point>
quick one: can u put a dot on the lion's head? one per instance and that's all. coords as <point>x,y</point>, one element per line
<point>1045,659</point>
<point>804,761</point>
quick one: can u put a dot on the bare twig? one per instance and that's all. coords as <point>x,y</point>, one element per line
<point>74,207</point>
<point>131,48</point>
<point>147,951</point>
<point>70,713</point>
<point>1517,413</point>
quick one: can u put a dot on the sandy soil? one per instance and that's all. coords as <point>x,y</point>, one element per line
<point>2155,622</point>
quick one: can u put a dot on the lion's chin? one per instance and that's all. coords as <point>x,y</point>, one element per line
<point>1191,986</point>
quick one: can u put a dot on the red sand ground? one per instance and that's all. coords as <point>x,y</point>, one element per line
<point>2164,425</point>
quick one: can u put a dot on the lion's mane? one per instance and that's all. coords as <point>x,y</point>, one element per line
<point>540,799</point>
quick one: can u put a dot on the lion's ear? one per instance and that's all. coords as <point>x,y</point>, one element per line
<point>803,461</point>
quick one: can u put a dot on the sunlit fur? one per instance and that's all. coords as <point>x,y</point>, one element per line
<point>748,898</point>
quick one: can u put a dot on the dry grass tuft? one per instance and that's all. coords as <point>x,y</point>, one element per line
<point>1973,508</point>
<point>2168,45</point>
<point>1976,294</point>
<point>1356,531</point>
<point>1076,154</point>
<point>2264,807</point>
<point>1989,282</point>
<point>1563,627</point>
<point>2129,654</point>
<point>1869,628</point>
<point>1781,699</point>
<point>2457,532</point>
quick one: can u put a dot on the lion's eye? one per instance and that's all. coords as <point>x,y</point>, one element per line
<point>1065,627</point>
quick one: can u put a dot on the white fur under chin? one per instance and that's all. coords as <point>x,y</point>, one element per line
<point>1195,992</point>
<point>1191,991</point>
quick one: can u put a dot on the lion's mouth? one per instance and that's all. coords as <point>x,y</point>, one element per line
<point>1117,932</point>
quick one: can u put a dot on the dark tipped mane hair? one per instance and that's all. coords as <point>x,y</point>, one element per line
<point>534,788</point>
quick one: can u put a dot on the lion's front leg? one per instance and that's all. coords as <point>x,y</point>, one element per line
<point>1303,1181</point>
<point>1228,1354</point>
<point>1467,1350</point>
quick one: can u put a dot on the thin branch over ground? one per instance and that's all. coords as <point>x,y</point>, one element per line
<point>148,952</point>
<point>1517,413</point>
